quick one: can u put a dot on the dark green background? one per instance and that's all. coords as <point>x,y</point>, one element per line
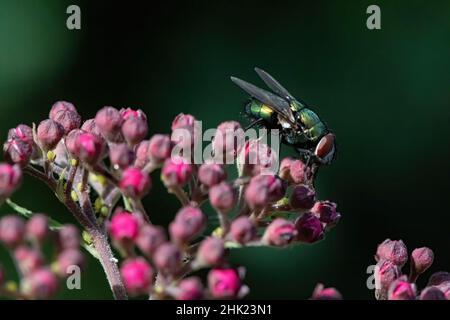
<point>385,93</point>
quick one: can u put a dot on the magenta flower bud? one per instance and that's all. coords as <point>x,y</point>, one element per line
<point>60,106</point>
<point>129,113</point>
<point>280,233</point>
<point>28,259</point>
<point>293,170</point>
<point>445,288</point>
<point>159,147</point>
<point>432,293</point>
<point>438,277</point>
<point>21,132</point>
<point>71,142</point>
<point>91,126</point>
<point>228,141</point>
<point>211,252</point>
<point>142,154</point>
<point>183,120</point>
<point>89,147</point>
<point>18,152</point>
<point>40,284</point>
<point>134,130</point>
<point>401,289</point>
<point>135,183</point>
<point>421,259</point>
<point>168,258</point>
<point>326,212</point>
<point>69,237</point>
<point>394,251</point>
<point>187,225</point>
<point>67,259</point>
<point>124,227</point>
<point>223,197</point>
<point>12,230</point>
<point>243,230</point>
<point>49,133</point>
<point>121,156</point>
<point>37,228</point>
<point>264,189</point>
<point>176,172</point>
<point>137,275</point>
<point>150,238</point>
<point>109,121</point>
<point>224,283</point>
<point>190,289</point>
<point>322,293</point>
<point>211,174</point>
<point>302,197</point>
<point>10,180</point>
<point>386,272</point>
<point>66,115</point>
<point>309,228</point>
<point>256,158</point>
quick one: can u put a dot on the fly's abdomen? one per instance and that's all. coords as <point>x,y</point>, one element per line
<point>258,110</point>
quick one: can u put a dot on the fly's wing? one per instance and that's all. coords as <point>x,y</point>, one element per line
<point>275,86</point>
<point>274,102</point>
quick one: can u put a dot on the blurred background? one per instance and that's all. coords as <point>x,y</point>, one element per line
<point>385,93</point>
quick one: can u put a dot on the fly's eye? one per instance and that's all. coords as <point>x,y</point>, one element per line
<point>325,147</point>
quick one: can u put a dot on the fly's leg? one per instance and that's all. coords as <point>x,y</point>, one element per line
<point>254,123</point>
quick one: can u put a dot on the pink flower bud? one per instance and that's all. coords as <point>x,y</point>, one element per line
<point>190,289</point>
<point>432,293</point>
<point>293,170</point>
<point>142,154</point>
<point>386,272</point>
<point>309,228</point>
<point>280,233</point>
<point>243,230</point>
<point>137,276</point>
<point>40,284</point>
<point>223,197</point>
<point>71,142</point>
<point>61,106</point>
<point>183,120</point>
<point>66,115</point>
<point>445,288</point>
<point>256,158</point>
<point>150,238</point>
<point>121,156</point>
<point>168,258</point>
<point>438,277</point>
<point>401,289</point>
<point>28,259</point>
<point>228,141</point>
<point>21,132</point>
<point>37,228</point>
<point>211,252</point>
<point>134,130</point>
<point>322,293</point>
<point>326,212</point>
<point>211,174</point>
<point>135,183</point>
<point>264,189</point>
<point>187,225</point>
<point>224,283</point>
<point>18,151</point>
<point>68,258</point>
<point>176,172</point>
<point>394,251</point>
<point>109,121</point>
<point>12,230</point>
<point>69,237</point>
<point>91,126</point>
<point>421,259</point>
<point>90,148</point>
<point>160,147</point>
<point>124,227</point>
<point>129,113</point>
<point>302,197</point>
<point>49,133</point>
<point>10,180</point>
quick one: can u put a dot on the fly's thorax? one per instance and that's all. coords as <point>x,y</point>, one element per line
<point>316,132</point>
<point>308,118</point>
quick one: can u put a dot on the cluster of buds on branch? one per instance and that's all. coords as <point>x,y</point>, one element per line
<point>100,169</point>
<point>391,284</point>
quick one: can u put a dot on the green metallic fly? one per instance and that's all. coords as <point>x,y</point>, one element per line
<point>299,126</point>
